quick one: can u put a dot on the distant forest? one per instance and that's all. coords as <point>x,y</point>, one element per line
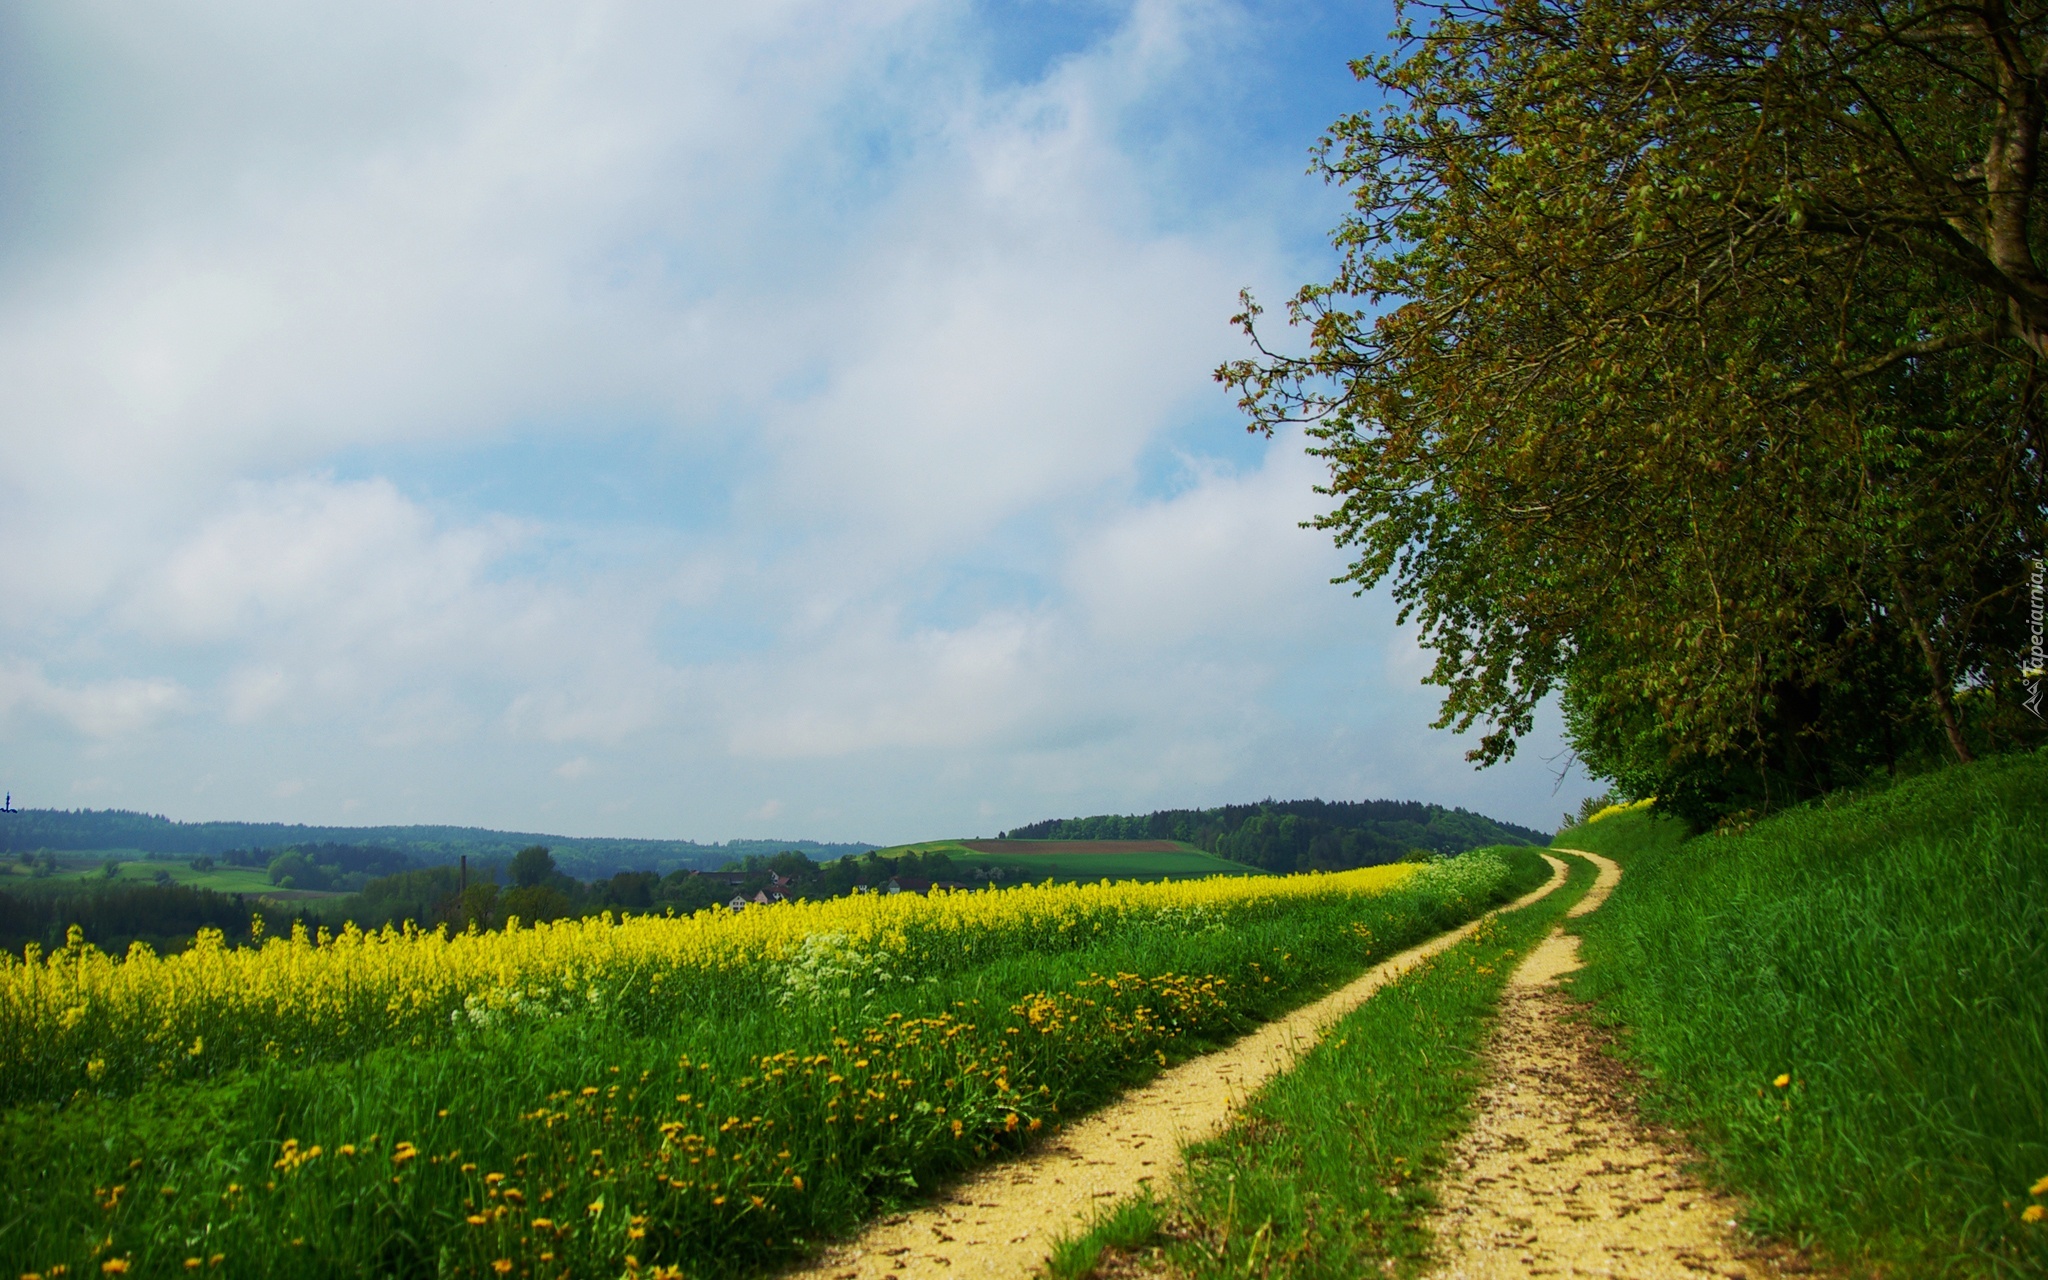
<point>1300,835</point>
<point>65,830</point>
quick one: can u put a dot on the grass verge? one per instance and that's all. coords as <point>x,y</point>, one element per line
<point>1327,1171</point>
<point>1889,953</point>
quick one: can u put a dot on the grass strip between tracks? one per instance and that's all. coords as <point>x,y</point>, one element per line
<point>1327,1171</point>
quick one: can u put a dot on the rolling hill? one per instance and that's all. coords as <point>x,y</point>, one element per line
<point>1298,835</point>
<point>132,834</point>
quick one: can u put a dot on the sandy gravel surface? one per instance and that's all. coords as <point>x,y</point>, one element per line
<point>1004,1220</point>
<point>1557,1176</point>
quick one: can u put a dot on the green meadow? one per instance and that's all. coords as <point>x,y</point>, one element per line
<point>77,868</point>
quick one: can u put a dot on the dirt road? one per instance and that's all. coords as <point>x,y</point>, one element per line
<point>1004,1220</point>
<point>1557,1175</point>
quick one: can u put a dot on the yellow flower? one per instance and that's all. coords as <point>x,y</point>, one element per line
<point>1783,1080</point>
<point>114,1266</point>
<point>2034,1213</point>
<point>2040,1188</point>
<point>502,1266</point>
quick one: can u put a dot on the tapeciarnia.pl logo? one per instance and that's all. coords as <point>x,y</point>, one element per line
<point>2037,661</point>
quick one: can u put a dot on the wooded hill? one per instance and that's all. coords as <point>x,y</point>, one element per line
<point>1299,835</point>
<point>123,829</point>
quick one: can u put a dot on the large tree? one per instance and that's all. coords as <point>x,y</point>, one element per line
<point>1687,355</point>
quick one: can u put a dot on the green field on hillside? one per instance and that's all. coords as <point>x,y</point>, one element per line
<point>87,868</point>
<point>1179,862</point>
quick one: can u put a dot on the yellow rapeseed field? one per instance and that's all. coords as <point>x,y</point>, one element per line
<point>1613,809</point>
<point>79,1018</point>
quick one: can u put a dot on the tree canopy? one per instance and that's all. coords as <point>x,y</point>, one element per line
<point>1685,357</point>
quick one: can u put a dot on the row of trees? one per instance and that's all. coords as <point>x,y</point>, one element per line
<point>114,915</point>
<point>531,886</point>
<point>1686,358</point>
<point>538,890</point>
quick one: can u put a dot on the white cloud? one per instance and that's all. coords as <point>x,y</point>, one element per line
<point>101,709</point>
<point>1226,558</point>
<point>905,344</point>
<point>352,560</point>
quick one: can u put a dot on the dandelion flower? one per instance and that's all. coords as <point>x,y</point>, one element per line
<point>1783,1080</point>
<point>2034,1213</point>
<point>2039,1188</point>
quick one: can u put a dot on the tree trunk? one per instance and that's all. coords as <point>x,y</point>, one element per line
<point>1937,673</point>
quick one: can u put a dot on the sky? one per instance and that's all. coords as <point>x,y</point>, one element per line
<point>781,420</point>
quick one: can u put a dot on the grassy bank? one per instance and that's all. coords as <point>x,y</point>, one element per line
<point>718,1142</point>
<point>1326,1171</point>
<point>1888,954</point>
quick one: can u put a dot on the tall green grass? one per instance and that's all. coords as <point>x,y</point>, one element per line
<point>820,1115</point>
<point>1888,953</point>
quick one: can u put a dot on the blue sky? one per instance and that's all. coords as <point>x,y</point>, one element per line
<point>782,420</point>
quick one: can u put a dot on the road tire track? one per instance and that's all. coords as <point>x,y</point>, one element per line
<point>1558,1175</point>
